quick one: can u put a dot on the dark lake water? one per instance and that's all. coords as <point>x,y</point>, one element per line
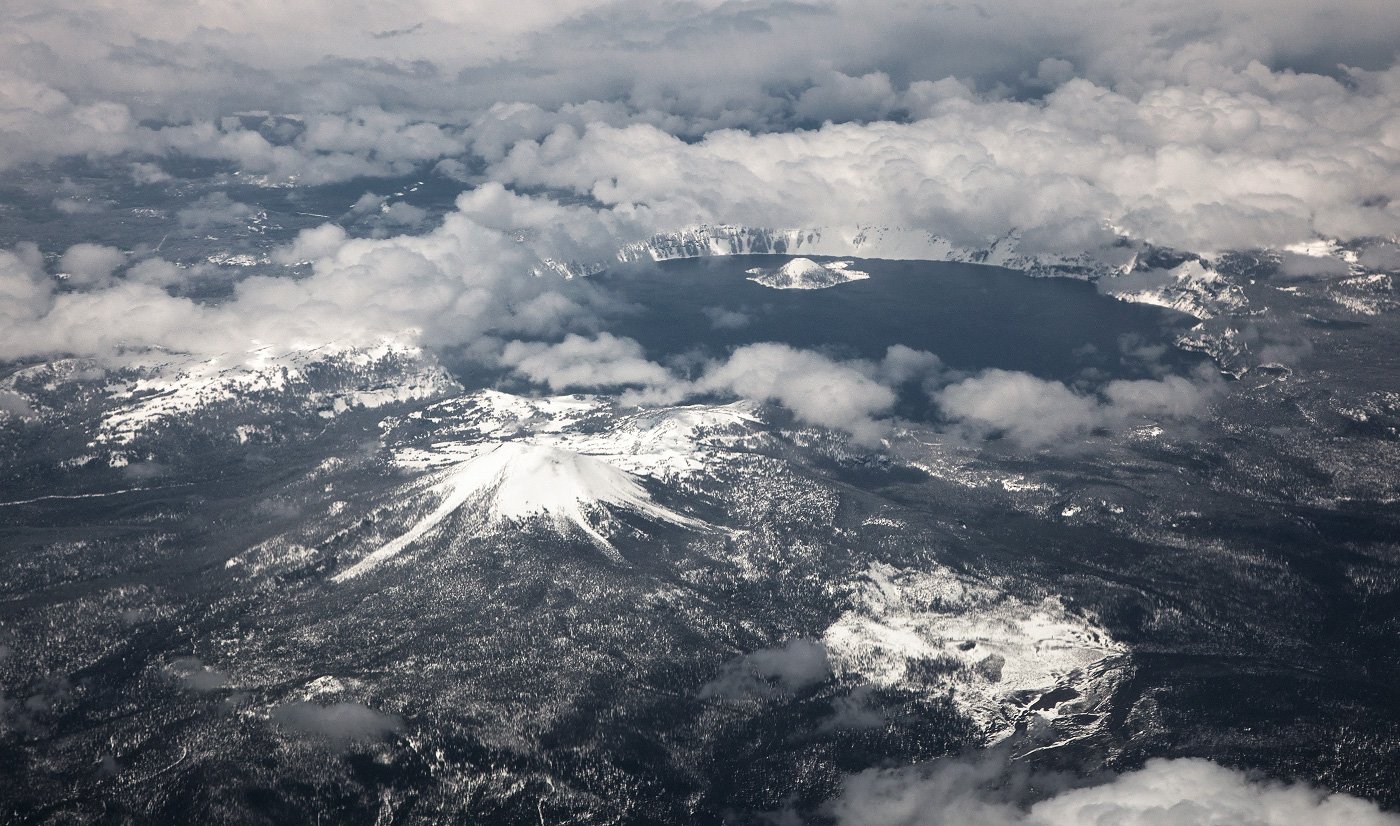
<point>973,317</point>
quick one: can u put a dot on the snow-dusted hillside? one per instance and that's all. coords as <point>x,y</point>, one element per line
<point>125,411</point>
<point>326,381</point>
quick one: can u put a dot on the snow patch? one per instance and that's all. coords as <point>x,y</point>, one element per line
<point>1000,657</point>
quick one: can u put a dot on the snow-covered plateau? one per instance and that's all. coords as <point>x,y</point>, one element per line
<point>1002,658</point>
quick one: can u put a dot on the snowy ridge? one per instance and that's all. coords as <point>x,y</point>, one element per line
<point>896,243</point>
<point>664,444</point>
<point>326,381</point>
<point>1193,288</point>
<point>1000,657</point>
<point>806,274</point>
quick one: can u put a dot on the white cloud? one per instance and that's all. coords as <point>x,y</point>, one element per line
<point>451,286</point>
<point>815,388</point>
<point>723,319</point>
<point>1188,792</point>
<point>785,669</point>
<point>1183,118</point>
<point>856,397</point>
<point>214,210</point>
<point>1293,265</point>
<point>90,264</point>
<point>579,363</point>
<point>852,396</point>
<point>1263,159</point>
<point>1035,413</point>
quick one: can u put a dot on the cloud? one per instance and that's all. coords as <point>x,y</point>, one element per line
<point>464,280</point>
<point>578,363</point>
<point>815,388</point>
<point>14,404</point>
<point>840,97</point>
<point>857,711</point>
<point>340,723</point>
<point>1028,410</point>
<point>1171,120</point>
<point>849,396</point>
<point>1293,265</point>
<point>857,397</point>
<point>767,672</point>
<point>1188,167</point>
<point>194,674</point>
<point>725,319</point>
<point>89,264</point>
<point>1186,792</point>
<point>1381,257</point>
<point>903,364</point>
<point>214,210</point>
<point>1167,121</point>
<point>1035,413</point>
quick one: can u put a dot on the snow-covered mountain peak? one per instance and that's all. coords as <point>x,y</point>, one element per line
<point>522,480</point>
<point>497,460</point>
<point>506,483</point>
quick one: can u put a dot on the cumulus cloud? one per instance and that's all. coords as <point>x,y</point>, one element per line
<point>1293,265</point>
<point>1170,120</point>
<point>847,396</point>
<point>1167,121</point>
<point>466,279</point>
<point>1033,413</point>
<point>1188,792</point>
<point>90,264</point>
<point>857,396</point>
<point>786,669</point>
<point>14,404</point>
<point>1381,257</point>
<point>1195,168</point>
<point>339,723</point>
<point>724,319</point>
<point>214,210</point>
<point>582,363</point>
<point>815,388</point>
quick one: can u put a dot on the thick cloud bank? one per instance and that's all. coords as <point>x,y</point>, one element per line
<point>466,279</point>
<point>1163,793</point>
<point>1175,122</point>
<point>1241,157</point>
